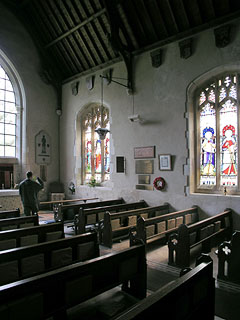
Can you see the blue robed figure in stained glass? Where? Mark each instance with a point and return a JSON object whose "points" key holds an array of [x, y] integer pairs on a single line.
{"points": [[208, 147]]}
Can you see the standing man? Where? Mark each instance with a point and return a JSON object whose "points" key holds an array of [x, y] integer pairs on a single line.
{"points": [[28, 190]]}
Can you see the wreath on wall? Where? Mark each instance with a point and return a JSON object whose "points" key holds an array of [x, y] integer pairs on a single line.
{"points": [[159, 183]]}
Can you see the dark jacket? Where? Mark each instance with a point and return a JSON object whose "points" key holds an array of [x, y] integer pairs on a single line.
{"points": [[28, 190]]}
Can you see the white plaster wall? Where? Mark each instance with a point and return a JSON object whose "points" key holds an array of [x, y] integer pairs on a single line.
{"points": [[160, 99], [39, 110]]}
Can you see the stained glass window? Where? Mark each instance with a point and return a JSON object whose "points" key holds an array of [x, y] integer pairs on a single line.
{"points": [[96, 152], [218, 134], [8, 116]]}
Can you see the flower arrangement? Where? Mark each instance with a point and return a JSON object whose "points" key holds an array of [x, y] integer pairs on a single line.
{"points": [[93, 182]]}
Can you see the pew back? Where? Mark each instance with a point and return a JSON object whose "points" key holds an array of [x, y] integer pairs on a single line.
{"points": [[189, 297], [32, 235], [19, 263], [207, 232], [228, 259], [10, 214], [68, 212], [50, 294], [17, 223], [117, 225], [94, 215], [149, 230]]}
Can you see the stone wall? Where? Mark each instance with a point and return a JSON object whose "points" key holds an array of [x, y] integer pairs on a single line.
{"points": [[160, 99], [39, 99]]}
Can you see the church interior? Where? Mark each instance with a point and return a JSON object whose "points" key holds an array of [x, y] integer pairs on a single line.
{"points": [[128, 112]]}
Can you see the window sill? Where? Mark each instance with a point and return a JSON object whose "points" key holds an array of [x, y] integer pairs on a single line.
{"points": [[215, 195], [7, 193], [11, 160], [93, 188]]}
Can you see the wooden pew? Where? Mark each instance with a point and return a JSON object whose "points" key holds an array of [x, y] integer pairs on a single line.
{"points": [[43, 204], [228, 259], [94, 215], [20, 263], [17, 223], [52, 293], [117, 225], [205, 232], [66, 213], [152, 229], [32, 235], [190, 297], [10, 214]]}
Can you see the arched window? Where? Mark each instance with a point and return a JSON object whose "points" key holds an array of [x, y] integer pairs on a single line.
{"points": [[217, 131], [8, 116], [95, 152]]}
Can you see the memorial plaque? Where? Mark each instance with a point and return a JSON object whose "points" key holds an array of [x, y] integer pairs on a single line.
{"points": [[144, 166], [144, 152], [144, 179], [144, 187]]}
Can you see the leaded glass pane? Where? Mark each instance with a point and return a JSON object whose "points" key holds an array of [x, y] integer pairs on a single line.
{"points": [[9, 151], [10, 140], [9, 96], [10, 107], [208, 145], [98, 157], [2, 94], [10, 129], [107, 153], [2, 73], [9, 86], [228, 144], [2, 83], [7, 116], [96, 151]]}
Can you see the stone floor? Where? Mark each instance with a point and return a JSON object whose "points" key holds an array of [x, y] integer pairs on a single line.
{"points": [[159, 273]]}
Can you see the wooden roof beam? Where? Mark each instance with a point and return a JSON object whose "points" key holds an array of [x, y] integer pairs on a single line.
{"points": [[80, 25], [115, 41]]}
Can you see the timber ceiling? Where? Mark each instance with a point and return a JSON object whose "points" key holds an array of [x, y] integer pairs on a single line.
{"points": [[75, 37]]}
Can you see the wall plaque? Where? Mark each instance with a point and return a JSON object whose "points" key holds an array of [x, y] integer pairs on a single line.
{"points": [[43, 148], [143, 187], [144, 166], [144, 152], [144, 179], [120, 164]]}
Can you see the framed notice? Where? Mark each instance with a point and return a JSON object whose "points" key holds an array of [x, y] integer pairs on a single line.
{"points": [[144, 152], [165, 162]]}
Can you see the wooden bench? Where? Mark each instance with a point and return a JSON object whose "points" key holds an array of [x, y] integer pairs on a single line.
{"points": [[66, 213], [45, 204], [17, 223], [206, 233], [20, 263], [94, 215], [10, 214], [52, 293], [228, 259], [190, 297], [116, 226], [152, 229], [28, 236]]}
